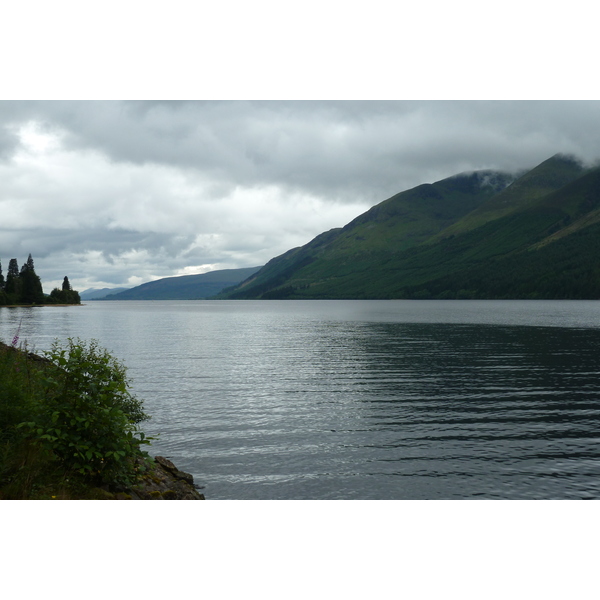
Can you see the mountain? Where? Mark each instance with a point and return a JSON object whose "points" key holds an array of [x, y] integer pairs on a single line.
{"points": [[480, 235], [547, 177], [99, 293], [186, 287]]}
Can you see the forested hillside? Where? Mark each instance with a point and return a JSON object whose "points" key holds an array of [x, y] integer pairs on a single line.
{"points": [[481, 235]]}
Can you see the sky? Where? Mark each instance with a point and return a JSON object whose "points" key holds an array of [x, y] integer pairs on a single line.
{"points": [[118, 193]]}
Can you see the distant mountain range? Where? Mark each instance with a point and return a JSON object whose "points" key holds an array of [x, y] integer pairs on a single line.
{"points": [[185, 287], [487, 234], [99, 293]]}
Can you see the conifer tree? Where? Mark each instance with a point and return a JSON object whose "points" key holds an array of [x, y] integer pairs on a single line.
{"points": [[31, 285], [66, 286], [12, 278], [13, 267]]}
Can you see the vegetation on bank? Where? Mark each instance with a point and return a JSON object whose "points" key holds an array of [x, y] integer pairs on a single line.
{"points": [[69, 426], [23, 286]]}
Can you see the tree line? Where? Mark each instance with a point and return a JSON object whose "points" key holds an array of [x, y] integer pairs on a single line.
{"points": [[23, 286]]}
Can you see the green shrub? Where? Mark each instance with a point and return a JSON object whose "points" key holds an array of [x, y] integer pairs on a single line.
{"points": [[88, 417]]}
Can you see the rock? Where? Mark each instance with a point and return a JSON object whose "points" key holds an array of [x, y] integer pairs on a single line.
{"points": [[171, 468], [166, 482]]}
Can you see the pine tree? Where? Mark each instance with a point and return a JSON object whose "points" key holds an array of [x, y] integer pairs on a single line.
{"points": [[13, 267], [31, 285], [1, 277], [66, 286], [12, 286]]}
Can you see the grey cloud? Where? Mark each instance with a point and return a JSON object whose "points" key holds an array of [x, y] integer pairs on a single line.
{"points": [[340, 149], [79, 252], [110, 242], [8, 143], [146, 189]]}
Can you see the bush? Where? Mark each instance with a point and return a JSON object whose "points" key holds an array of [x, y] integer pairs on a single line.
{"points": [[88, 418]]}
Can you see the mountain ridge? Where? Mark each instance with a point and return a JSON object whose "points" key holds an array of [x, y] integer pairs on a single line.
{"points": [[185, 287], [551, 174], [421, 242], [99, 293]]}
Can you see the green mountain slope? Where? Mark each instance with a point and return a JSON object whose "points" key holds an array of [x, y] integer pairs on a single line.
{"points": [[532, 239], [395, 225], [186, 287], [552, 174]]}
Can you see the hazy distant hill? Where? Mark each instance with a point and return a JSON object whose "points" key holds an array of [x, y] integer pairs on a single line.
{"points": [[534, 234], [186, 287], [99, 293]]}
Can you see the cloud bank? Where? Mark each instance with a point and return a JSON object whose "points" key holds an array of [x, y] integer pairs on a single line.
{"points": [[120, 193]]}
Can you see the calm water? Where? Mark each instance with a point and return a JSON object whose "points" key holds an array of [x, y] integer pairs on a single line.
{"points": [[358, 399]]}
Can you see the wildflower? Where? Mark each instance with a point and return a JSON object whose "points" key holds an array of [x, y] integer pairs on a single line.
{"points": [[16, 338]]}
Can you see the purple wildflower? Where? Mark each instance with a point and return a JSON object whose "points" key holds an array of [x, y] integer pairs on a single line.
{"points": [[16, 338]]}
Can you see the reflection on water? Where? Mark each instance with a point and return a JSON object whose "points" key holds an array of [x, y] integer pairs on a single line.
{"points": [[365, 400], [493, 411]]}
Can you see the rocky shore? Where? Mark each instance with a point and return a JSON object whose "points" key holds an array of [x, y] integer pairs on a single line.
{"points": [[163, 482], [166, 482]]}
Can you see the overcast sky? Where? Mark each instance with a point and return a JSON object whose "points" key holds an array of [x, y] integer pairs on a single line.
{"points": [[121, 193]]}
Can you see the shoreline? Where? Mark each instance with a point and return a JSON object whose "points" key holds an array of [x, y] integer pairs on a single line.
{"points": [[162, 481], [35, 305]]}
